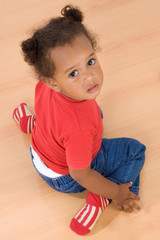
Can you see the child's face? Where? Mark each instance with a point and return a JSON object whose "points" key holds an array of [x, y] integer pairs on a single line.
{"points": [[78, 74]]}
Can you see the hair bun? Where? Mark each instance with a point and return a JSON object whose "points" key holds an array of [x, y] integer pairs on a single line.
{"points": [[30, 50], [29, 45], [72, 13]]}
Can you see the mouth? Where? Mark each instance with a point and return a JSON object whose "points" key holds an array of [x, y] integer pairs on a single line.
{"points": [[93, 89]]}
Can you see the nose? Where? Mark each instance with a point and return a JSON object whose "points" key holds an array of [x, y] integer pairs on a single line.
{"points": [[87, 75]]}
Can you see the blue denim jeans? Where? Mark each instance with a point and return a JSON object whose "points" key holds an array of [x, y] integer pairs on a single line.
{"points": [[119, 160]]}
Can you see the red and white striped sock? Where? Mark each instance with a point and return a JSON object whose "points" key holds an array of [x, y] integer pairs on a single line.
{"points": [[24, 118], [87, 217]]}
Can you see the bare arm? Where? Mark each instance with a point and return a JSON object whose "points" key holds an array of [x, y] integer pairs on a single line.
{"points": [[96, 183]]}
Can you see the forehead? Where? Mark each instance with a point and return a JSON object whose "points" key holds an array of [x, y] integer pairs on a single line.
{"points": [[71, 54]]}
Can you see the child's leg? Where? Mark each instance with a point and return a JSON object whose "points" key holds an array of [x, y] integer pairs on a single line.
{"points": [[24, 118], [87, 217], [121, 160], [114, 156]]}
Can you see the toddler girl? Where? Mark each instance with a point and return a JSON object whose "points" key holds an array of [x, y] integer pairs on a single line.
{"points": [[67, 147]]}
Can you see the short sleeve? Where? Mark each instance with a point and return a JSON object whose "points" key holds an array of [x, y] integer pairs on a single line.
{"points": [[79, 147]]}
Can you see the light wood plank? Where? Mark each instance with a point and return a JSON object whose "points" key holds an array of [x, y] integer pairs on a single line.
{"points": [[129, 33]]}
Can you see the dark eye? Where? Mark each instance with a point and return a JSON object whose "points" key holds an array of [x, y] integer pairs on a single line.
{"points": [[91, 62], [73, 74]]}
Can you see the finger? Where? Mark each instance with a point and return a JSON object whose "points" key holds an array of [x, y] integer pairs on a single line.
{"points": [[132, 204], [135, 205], [128, 184], [134, 196], [120, 207], [127, 208]]}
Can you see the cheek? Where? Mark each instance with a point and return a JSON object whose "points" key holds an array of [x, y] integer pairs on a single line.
{"points": [[100, 74]]}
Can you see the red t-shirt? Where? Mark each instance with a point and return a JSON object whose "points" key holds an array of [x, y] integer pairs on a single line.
{"points": [[67, 133]]}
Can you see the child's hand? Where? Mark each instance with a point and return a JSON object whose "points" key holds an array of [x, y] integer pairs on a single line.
{"points": [[125, 200], [130, 205]]}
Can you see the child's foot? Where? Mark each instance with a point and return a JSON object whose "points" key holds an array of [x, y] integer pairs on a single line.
{"points": [[24, 118], [87, 217]]}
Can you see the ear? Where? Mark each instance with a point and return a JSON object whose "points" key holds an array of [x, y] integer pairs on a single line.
{"points": [[51, 83]]}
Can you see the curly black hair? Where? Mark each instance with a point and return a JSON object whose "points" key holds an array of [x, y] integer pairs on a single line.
{"points": [[58, 32]]}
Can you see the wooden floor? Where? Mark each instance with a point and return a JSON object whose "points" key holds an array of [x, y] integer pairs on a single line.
{"points": [[129, 33]]}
